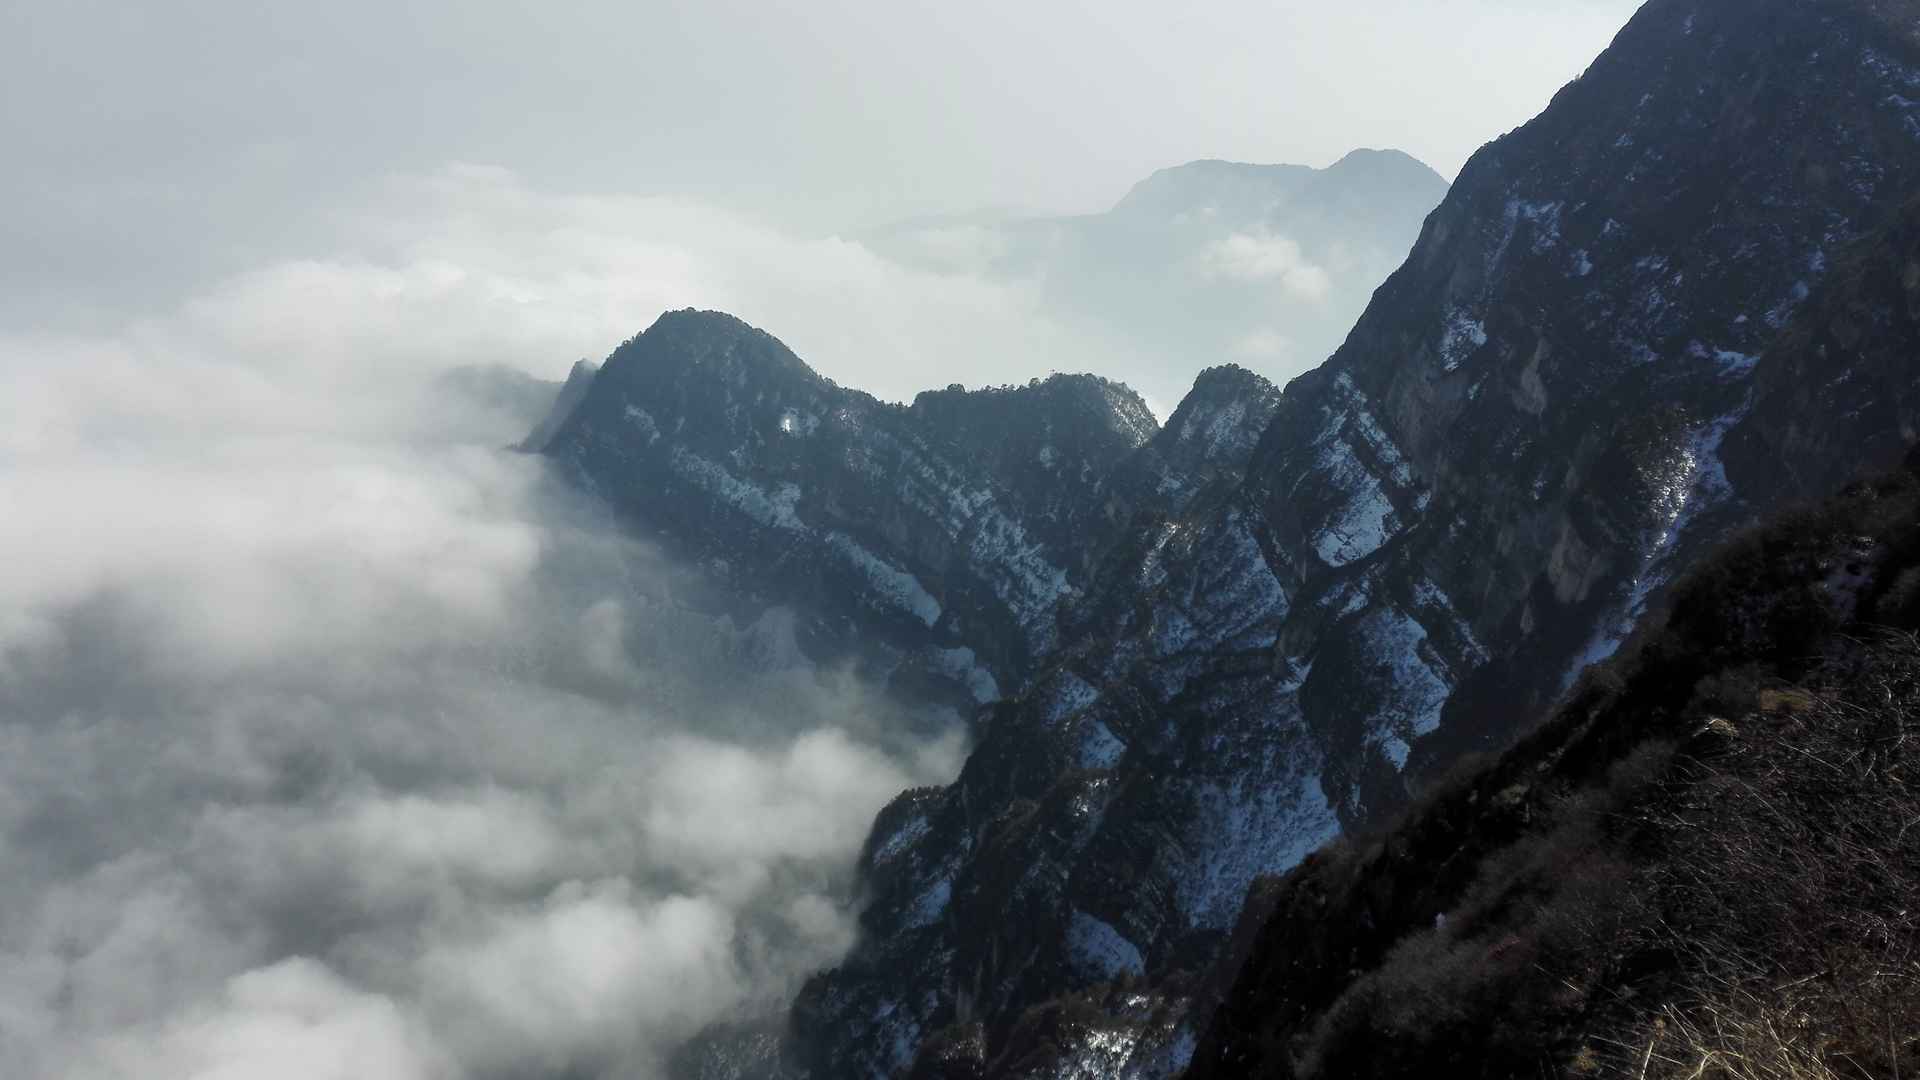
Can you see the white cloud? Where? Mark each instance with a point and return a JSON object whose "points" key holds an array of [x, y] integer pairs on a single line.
{"points": [[337, 741], [592, 975], [1267, 259], [961, 248], [292, 1020], [1261, 343], [561, 276]]}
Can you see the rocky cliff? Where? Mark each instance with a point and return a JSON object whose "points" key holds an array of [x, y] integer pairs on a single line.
{"points": [[1515, 450], [930, 542], [1701, 865], [1211, 647]]}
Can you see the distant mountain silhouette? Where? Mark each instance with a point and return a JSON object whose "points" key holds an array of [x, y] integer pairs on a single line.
{"points": [[1264, 265]]}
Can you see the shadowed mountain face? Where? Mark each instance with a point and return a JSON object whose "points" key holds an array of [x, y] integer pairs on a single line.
{"points": [[932, 542], [1700, 865], [1263, 265], [1633, 325]]}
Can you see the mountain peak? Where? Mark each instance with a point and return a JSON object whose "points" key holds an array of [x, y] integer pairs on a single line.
{"points": [[1261, 188], [1226, 381], [1386, 161], [1220, 421], [691, 338], [1058, 401]]}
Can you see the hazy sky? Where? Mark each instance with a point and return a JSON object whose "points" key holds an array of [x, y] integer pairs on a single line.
{"points": [[151, 143]]}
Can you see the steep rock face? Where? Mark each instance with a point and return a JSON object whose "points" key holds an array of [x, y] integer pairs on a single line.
{"points": [[1556, 367], [1047, 446], [1705, 846], [1733, 152], [1840, 383], [1516, 449], [1209, 438], [941, 535]]}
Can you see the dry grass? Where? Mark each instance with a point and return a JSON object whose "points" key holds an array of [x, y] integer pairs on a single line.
{"points": [[1747, 1034], [1797, 876], [1706, 864]]}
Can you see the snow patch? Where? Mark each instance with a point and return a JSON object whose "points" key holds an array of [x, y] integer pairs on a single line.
{"points": [[1067, 695], [1173, 633], [1365, 520], [963, 666], [1222, 433], [1242, 828], [797, 423], [997, 548], [1229, 596], [1698, 484], [894, 585], [1100, 748], [1096, 946], [1460, 338], [1396, 750], [1435, 603], [1348, 597], [932, 903], [1778, 315], [1545, 219], [1416, 680], [642, 420], [908, 834], [1362, 525], [773, 509], [1731, 363], [1099, 1054]]}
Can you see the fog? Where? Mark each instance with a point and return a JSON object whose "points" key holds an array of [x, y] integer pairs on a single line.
{"points": [[158, 149], [337, 740]]}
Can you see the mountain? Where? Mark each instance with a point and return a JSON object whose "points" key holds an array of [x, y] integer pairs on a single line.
{"points": [[930, 543], [515, 396], [1678, 300], [1265, 265], [1515, 449], [1702, 864], [560, 406]]}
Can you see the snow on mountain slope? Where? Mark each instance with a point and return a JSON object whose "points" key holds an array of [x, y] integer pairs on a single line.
{"points": [[1519, 443]]}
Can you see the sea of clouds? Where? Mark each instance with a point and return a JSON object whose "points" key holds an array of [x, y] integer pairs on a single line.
{"points": [[339, 741]]}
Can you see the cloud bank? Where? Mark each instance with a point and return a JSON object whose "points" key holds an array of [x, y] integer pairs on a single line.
{"points": [[471, 264], [335, 741]]}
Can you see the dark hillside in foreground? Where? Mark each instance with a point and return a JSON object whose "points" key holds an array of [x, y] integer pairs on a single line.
{"points": [[1605, 346], [1707, 863]]}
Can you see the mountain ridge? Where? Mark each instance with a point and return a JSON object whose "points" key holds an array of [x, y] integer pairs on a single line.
{"points": [[1390, 482], [1672, 874], [961, 512], [1403, 556]]}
